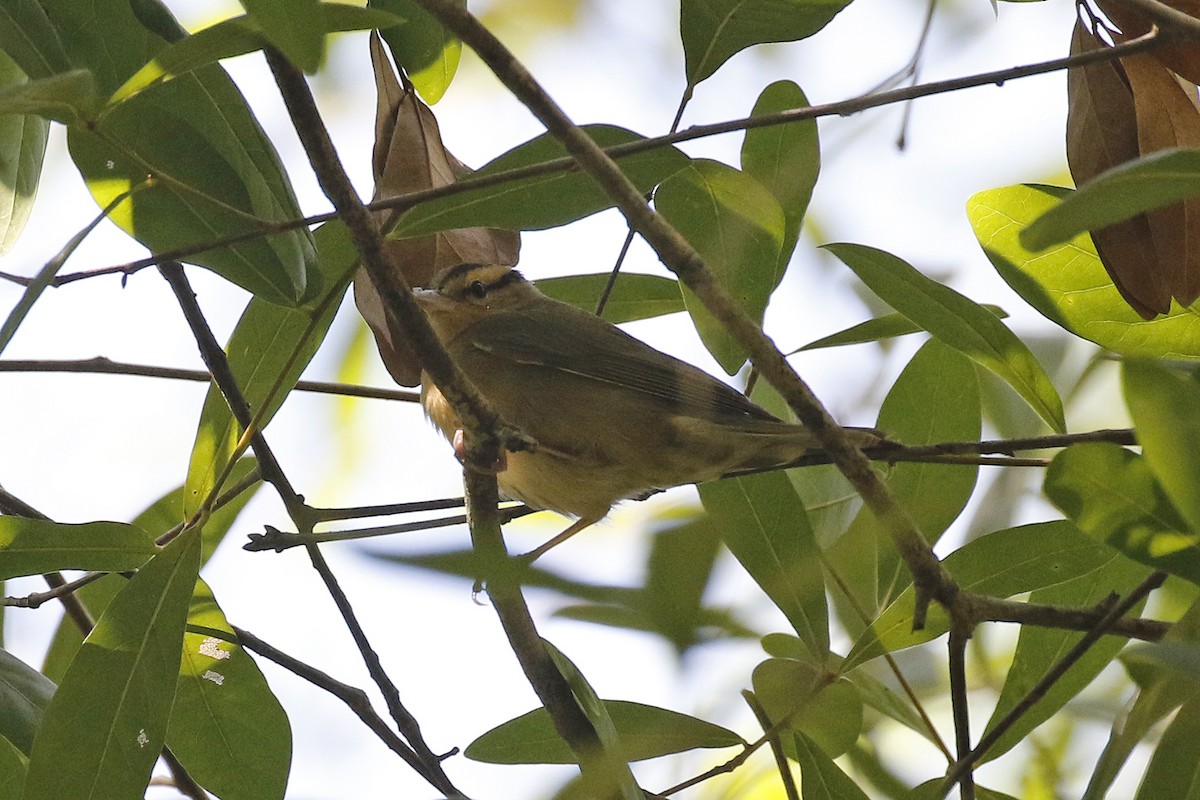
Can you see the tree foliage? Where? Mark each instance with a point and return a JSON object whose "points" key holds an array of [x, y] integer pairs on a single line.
{"points": [[145, 669]]}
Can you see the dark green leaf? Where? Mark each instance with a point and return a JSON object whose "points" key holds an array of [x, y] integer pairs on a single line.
{"points": [[1040, 648], [161, 516], [235, 37], [615, 764], [215, 175], [764, 525], [1000, 564], [935, 399], [226, 726], [785, 159], [29, 39], [677, 574], [633, 297], [12, 770], [1109, 492], [24, 695], [34, 546], [1174, 769], [108, 719], [738, 227], [820, 778], [811, 701], [1124, 191], [540, 202], [958, 322], [69, 98], [1165, 407], [293, 27], [268, 350], [422, 47], [644, 731], [713, 30], [1068, 284], [886, 327]]}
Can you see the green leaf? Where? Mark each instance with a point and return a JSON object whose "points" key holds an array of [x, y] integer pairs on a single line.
{"points": [[738, 228], [24, 695], [35, 546], [1038, 649], [785, 159], [678, 573], [633, 296], [161, 516], [935, 399], [268, 350], [812, 702], [293, 27], [1110, 493], [873, 330], [1174, 769], [1068, 284], [226, 726], [12, 770], [69, 98], [713, 30], [1164, 406], [958, 322], [422, 47], [644, 731], [215, 175], [820, 778], [108, 719], [765, 527], [539, 202], [235, 37], [28, 38], [1124, 191], [615, 773], [1000, 564], [22, 148]]}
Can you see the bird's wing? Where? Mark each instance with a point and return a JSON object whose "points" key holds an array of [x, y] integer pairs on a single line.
{"points": [[567, 339]]}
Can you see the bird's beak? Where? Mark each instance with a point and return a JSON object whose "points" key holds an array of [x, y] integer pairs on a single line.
{"points": [[429, 300]]}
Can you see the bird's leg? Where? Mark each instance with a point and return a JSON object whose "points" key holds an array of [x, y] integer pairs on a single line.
{"points": [[460, 452], [541, 550]]}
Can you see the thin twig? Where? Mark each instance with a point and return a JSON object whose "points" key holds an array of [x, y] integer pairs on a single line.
{"points": [[960, 634], [782, 765], [356, 699], [106, 366]]}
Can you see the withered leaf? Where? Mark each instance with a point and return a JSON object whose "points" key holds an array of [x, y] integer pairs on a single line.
{"points": [[409, 156], [1102, 133], [1183, 59], [1167, 117]]}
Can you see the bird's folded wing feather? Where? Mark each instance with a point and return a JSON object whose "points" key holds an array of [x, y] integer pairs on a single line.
{"points": [[581, 344]]}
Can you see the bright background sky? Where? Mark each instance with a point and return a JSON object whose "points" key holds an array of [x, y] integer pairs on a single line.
{"points": [[103, 447]]}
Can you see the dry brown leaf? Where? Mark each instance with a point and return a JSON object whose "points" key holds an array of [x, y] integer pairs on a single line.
{"points": [[1182, 59], [1102, 133], [409, 156], [1167, 116]]}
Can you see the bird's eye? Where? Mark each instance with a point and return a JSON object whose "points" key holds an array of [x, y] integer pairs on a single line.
{"points": [[477, 290]]}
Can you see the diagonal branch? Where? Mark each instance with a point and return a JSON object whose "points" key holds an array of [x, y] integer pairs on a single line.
{"points": [[679, 256]]}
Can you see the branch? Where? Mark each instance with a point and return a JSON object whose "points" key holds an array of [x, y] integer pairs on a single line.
{"points": [[105, 366], [355, 698], [1112, 611]]}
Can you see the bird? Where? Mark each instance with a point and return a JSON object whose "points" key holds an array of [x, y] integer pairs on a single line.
{"points": [[613, 418]]}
